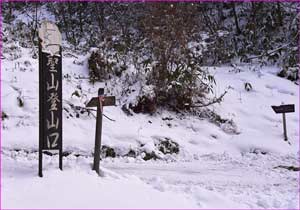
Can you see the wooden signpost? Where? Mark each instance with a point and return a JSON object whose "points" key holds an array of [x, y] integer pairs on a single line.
{"points": [[285, 108], [50, 91], [99, 102]]}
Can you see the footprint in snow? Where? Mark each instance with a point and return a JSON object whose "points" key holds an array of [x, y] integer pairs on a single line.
{"points": [[280, 90], [286, 92]]}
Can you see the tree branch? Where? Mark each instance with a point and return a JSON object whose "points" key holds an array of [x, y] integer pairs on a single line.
{"points": [[215, 100], [88, 110], [275, 50]]}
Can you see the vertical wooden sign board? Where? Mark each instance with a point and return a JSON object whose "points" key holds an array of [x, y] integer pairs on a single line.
{"points": [[50, 91]]}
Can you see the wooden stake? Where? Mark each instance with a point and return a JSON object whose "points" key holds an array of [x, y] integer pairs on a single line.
{"points": [[99, 102], [284, 127], [284, 108], [96, 165]]}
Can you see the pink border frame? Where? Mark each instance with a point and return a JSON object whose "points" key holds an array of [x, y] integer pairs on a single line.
{"points": [[1, 105], [145, 1], [131, 1]]}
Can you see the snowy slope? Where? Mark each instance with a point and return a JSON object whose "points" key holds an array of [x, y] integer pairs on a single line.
{"points": [[260, 128], [210, 163], [258, 125]]}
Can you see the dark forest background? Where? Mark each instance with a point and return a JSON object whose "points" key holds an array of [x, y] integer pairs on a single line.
{"points": [[168, 43]]}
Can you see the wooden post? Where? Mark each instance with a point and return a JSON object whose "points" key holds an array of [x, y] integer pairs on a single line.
{"points": [[61, 116], [97, 150], [41, 110], [284, 108], [284, 127], [99, 102]]}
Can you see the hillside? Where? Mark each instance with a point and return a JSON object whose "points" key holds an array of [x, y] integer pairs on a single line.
{"points": [[255, 146]]}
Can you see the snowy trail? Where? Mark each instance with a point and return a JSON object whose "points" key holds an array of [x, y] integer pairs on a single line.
{"points": [[244, 183], [213, 181]]}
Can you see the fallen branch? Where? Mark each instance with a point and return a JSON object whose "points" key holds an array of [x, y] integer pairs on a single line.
{"points": [[290, 168], [215, 100], [67, 54], [109, 118]]}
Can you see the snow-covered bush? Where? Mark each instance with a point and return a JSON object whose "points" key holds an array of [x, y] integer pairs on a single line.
{"points": [[167, 146], [104, 63], [100, 67], [146, 101], [291, 73], [4, 116], [174, 64]]}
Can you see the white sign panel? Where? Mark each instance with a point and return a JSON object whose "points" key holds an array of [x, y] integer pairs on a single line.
{"points": [[50, 38]]}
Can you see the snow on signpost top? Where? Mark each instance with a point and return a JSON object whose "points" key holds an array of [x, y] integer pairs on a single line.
{"points": [[50, 38]]}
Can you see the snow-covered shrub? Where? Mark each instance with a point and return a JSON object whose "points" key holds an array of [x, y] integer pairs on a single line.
{"points": [[175, 64], [227, 125], [4, 116], [160, 148], [163, 147], [100, 67], [148, 156], [218, 48], [111, 58], [144, 105], [291, 73], [146, 101], [167, 146], [107, 151], [13, 51]]}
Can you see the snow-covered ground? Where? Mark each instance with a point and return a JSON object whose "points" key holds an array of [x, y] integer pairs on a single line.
{"points": [[215, 168], [213, 181]]}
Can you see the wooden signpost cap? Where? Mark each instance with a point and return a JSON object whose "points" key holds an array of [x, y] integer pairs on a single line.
{"points": [[50, 37], [100, 91]]}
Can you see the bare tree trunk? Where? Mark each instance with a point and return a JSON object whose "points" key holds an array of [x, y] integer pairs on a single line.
{"points": [[62, 11], [279, 15], [238, 30], [36, 22], [80, 17], [74, 40]]}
